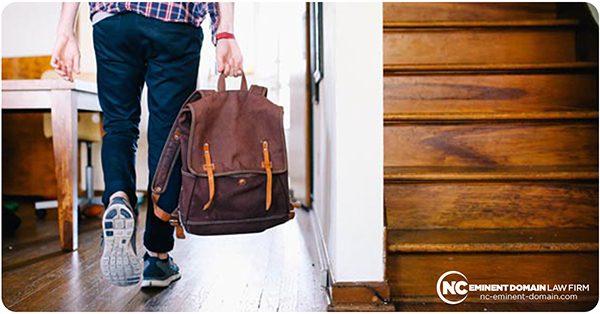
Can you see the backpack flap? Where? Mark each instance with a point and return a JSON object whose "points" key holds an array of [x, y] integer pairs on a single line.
{"points": [[233, 128]]}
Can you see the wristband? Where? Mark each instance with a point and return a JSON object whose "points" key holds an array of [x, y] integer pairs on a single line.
{"points": [[224, 35]]}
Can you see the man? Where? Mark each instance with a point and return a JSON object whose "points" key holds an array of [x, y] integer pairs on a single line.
{"points": [[157, 43]]}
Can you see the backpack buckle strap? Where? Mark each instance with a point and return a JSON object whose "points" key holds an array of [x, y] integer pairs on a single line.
{"points": [[172, 218], [175, 221], [209, 167], [267, 165], [159, 212]]}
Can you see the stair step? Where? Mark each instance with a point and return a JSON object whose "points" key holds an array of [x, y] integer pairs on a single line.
{"points": [[391, 26], [490, 149], [459, 144], [486, 117], [498, 173], [414, 275], [433, 304], [483, 68], [463, 201], [501, 94], [416, 11], [479, 45], [492, 240]]}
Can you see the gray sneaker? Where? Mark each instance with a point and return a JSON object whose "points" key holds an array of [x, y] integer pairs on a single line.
{"points": [[120, 264], [158, 272]]}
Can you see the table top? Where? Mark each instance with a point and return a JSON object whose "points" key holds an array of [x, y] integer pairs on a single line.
{"points": [[37, 94], [49, 84]]}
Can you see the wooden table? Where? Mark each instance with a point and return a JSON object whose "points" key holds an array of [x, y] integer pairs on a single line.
{"points": [[63, 99]]}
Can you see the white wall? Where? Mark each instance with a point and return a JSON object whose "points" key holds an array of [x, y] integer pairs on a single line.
{"points": [[349, 141], [29, 29]]}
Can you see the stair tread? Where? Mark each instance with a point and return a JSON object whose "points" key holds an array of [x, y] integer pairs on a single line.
{"points": [[493, 240], [418, 11], [473, 116], [393, 25], [498, 173], [501, 67]]}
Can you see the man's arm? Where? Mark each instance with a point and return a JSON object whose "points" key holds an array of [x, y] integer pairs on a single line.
{"points": [[229, 56], [65, 57]]}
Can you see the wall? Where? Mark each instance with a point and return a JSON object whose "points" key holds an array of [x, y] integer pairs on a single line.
{"points": [[349, 141], [29, 29]]}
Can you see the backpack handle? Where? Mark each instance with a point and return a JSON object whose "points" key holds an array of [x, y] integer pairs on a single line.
{"points": [[221, 84]]}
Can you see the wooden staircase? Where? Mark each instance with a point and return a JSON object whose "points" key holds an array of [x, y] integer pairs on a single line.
{"points": [[491, 149]]}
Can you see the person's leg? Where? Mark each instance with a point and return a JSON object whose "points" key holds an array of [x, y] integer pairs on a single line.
{"points": [[120, 78], [173, 59], [171, 77]]}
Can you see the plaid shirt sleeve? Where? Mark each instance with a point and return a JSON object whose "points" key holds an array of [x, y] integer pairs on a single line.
{"points": [[213, 11]]}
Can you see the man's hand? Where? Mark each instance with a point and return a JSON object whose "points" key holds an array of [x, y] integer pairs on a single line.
{"points": [[65, 57], [228, 54], [229, 57]]}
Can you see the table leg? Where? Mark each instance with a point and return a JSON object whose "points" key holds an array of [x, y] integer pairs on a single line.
{"points": [[64, 139]]}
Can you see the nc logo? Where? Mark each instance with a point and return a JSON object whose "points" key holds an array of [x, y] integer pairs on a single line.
{"points": [[452, 287]]}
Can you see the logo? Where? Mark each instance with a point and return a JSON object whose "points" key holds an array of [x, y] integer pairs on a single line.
{"points": [[452, 287]]}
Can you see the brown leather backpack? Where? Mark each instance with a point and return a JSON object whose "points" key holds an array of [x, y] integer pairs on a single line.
{"points": [[234, 163]]}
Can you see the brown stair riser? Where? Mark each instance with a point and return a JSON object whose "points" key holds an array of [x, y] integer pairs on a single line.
{"points": [[466, 11], [416, 275], [457, 46], [466, 205], [490, 93], [435, 305], [474, 144]]}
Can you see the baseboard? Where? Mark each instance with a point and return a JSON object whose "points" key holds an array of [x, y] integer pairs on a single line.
{"points": [[323, 257], [360, 296], [550, 306], [360, 308], [348, 296]]}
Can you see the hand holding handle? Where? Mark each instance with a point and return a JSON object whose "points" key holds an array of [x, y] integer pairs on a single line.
{"points": [[221, 83]]}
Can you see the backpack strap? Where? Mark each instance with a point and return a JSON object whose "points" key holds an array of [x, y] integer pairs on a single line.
{"points": [[209, 167], [168, 157], [258, 90], [266, 163]]}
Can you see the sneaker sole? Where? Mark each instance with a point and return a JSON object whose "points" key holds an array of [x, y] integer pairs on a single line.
{"points": [[147, 283], [119, 263]]}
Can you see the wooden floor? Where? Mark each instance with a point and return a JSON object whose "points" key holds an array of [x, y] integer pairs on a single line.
{"points": [[271, 271]]}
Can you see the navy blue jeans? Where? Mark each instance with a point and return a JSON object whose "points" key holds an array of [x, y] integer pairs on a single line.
{"points": [[132, 50]]}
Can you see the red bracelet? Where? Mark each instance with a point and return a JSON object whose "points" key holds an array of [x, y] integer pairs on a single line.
{"points": [[224, 35]]}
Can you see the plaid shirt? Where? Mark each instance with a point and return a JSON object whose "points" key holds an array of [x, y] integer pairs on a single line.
{"points": [[176, 12]]}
